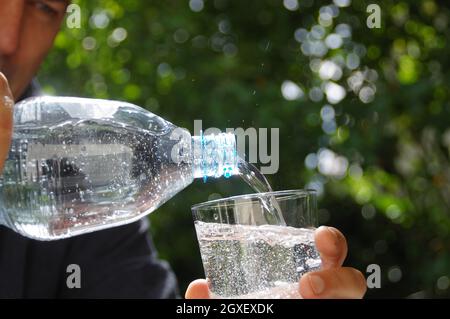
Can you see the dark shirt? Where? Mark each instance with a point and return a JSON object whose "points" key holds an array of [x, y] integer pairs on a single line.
{"points": [[119, 262]]}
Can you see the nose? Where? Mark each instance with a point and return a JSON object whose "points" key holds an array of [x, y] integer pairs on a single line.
{"points": [[11, 14]]}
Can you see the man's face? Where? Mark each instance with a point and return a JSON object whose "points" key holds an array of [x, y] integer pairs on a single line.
{"points": [[27, 31]]}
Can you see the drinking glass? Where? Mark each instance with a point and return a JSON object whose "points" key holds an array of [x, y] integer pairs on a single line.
{"points": [[246, 255]]}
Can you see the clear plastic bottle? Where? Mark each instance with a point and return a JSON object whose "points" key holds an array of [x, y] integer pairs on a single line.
{"points": [[80, 165]]}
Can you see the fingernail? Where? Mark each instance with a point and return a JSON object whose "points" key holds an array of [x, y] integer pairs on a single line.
{"points": [[317, 284], [2, 80], [5, 97], [8, 102], [334, 232]]}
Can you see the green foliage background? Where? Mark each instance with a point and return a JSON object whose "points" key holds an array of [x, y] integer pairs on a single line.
{"points": [[226, 64]]}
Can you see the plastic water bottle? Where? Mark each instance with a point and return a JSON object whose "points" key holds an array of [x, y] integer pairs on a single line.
{"points": [[80, 165]]}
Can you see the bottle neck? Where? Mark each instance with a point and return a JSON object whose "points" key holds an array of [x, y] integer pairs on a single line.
{"points": [[214, 155]]}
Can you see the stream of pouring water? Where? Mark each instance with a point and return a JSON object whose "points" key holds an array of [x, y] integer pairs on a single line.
{"points": [[258, 182]]}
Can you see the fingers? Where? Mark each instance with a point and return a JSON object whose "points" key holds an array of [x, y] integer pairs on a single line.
{"points": [[198, 289], [339, 283], [331, 245], [6, 122]]}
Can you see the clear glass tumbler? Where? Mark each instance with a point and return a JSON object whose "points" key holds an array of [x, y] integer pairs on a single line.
{"points": [[245, 256]]}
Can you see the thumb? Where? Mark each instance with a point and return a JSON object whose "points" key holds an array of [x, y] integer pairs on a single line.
{"points": [[198, 289], [6, 118]]}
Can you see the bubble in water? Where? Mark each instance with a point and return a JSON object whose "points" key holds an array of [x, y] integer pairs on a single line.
{"points": [[243, 261], [81, 193]]}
